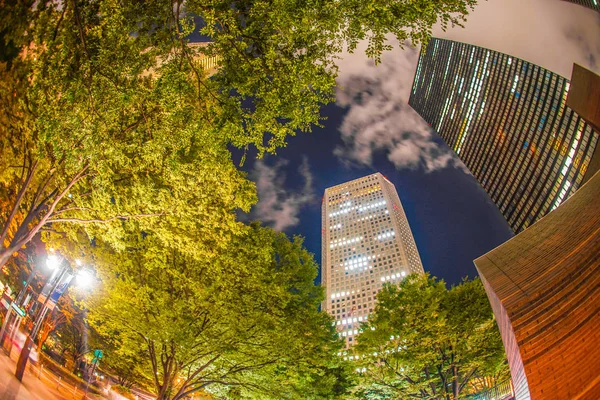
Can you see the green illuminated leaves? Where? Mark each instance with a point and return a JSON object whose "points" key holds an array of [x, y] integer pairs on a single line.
{"points": [[430, 342], [246, 317]]}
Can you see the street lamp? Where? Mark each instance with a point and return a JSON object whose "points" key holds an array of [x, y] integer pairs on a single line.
{"points": [[84, 278], [59, 286], [53, 262]]}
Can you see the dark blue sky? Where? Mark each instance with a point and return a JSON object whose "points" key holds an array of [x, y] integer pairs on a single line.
{"points": [[453, 220]]}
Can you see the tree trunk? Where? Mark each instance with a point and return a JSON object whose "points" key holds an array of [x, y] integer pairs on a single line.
{"points": [[165, 392], [5, 255], [37, 216], [43, 337], [455, 386]]}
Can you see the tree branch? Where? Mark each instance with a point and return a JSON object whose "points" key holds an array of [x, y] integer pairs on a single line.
{"points": [[18, 242], [154, 363], [17, 203], [466, 379], [190, 378], [102, 221]]}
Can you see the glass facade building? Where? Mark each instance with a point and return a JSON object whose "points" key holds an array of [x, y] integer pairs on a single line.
{"points": [[366, 242], [508, 122], [208, 63], [593, 4]]}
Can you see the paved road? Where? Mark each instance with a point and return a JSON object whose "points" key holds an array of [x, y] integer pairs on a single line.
{"points": [[31, 387], [39, 385]]}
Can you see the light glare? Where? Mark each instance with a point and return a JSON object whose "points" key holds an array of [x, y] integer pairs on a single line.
{"points": [[52, 262], [84, 278]]}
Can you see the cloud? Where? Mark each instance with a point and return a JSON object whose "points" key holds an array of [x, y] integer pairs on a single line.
{"points": [[553, 34], [277, 207], [379, 117]]}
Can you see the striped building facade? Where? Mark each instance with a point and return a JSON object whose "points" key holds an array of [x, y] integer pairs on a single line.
{"points": [[508, 122], [593, 4]]}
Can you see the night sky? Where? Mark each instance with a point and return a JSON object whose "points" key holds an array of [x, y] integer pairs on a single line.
{"points": [[452, 218], [371, 129]]}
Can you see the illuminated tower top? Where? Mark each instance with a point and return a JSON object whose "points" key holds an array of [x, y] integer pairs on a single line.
{"points": [[508, 121], [366, 242]]}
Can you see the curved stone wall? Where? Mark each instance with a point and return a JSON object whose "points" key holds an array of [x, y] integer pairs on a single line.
{"points": [[544, 286]]}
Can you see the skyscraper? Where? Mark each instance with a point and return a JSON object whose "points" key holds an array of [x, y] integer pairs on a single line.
{"points": [[507, 121], [366, 241], [593, 4], [208, 63]]}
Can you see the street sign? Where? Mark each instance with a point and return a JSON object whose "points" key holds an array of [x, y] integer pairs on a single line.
{"points": [[61, 287], [98, 354], [17, 309]]}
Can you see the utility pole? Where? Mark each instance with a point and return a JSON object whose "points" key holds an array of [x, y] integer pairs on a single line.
{"points": [[97, 356]]}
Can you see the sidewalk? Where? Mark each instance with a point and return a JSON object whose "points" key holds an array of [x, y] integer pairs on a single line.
{"points": [[40, 385]]}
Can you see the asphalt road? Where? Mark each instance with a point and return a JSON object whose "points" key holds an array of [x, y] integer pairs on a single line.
{"points": [[38, 384]]}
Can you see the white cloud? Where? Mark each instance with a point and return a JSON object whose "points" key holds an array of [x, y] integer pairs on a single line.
{"points": [[277, 207], [379, 117], [553, 34]]}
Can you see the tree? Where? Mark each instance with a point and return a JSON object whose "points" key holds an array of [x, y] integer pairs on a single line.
{"points": [[16, 272], [124, 364], [107, 115], [62, 314], [425, 341], [244, 321], [75, 335]]}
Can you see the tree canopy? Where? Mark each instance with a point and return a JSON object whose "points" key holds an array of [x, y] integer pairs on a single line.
{"points": [[108, 115], [247, 319], [426, 341], [115, 139]]}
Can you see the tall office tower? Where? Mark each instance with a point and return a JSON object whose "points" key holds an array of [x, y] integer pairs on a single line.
{"points": [[508, 122], [593, 4], [366, 241], [210, 64]]}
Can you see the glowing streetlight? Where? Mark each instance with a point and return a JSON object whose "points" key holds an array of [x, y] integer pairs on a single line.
{"points": [[52, 262], [57, 284], [84, 278]]}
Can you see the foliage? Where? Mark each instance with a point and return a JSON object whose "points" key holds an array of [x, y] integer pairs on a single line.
{"points": [[124, 391], [115, 142], [62, 314], [107, 115], [428, 342], [74, 336], [245, 319], [123, 363], [15, 272]]}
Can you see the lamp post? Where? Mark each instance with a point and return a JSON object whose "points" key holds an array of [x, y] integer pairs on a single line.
{"points": [[57, 289], [54, 263]]}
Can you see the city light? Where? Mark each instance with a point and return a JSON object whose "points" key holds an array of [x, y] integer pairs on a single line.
{"points": [[84, 278], [52, 262]]}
